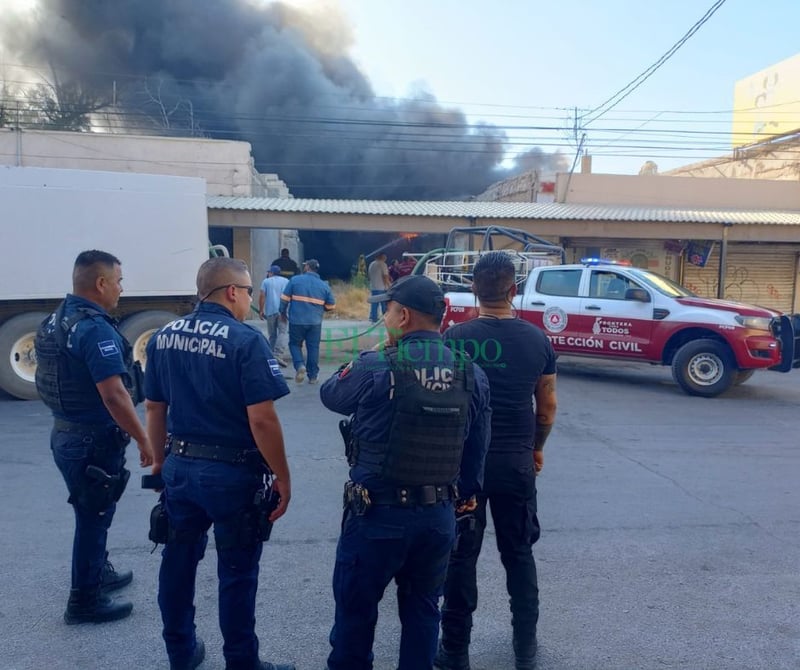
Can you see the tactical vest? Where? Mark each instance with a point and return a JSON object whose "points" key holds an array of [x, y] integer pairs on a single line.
{"points": [[63, 381], [426, 435]]}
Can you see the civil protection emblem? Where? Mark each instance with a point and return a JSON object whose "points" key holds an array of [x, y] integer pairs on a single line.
{"points": [[555, 319]]}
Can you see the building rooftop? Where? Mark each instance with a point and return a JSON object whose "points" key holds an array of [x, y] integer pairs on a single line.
{"points": [[508, 210]]}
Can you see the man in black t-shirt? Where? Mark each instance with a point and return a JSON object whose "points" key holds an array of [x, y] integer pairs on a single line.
{"points": [[287, 265], [520, 363]]}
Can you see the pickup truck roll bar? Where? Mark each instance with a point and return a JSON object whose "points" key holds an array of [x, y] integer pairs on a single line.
{"points": [[451, 266]]}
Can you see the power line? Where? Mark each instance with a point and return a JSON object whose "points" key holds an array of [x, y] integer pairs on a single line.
{"points": [[425, 101], [256, 123], [630, 87]]}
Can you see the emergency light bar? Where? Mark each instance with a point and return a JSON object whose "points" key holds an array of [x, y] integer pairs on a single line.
{"points": [[603, 261]]}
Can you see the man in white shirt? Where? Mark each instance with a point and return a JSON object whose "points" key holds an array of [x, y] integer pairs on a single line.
{"points": [[379, 282], [269, 302]]}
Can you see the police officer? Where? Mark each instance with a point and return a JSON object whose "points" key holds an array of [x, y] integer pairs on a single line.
{"points": [[211, 384], [416, 448], [520, 363], [86, 376], [304, 301]]}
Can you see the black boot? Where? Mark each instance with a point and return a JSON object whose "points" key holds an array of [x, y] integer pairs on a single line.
{"points": [[524, 649], [94, 606], [197, 657], [451, 660], [111, 580]]}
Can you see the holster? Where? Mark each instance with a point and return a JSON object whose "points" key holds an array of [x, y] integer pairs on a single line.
{"points": [[253, 525], [159, 523], [120, 438], [266, 500], [350, 445], [99, 489], [161, 531]]}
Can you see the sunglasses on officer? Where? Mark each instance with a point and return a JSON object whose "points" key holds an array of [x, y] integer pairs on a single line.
{"points": [[249, 289]]}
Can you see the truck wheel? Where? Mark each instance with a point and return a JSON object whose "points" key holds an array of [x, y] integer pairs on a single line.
{"points": [[17, 355], [742, 376], [704, 368], [138, 329]]}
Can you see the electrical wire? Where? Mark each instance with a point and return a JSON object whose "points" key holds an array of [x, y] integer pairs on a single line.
{"points": [[631, 86]]}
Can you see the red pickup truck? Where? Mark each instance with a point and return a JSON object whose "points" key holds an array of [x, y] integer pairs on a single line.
{"points": [[604, 310]]}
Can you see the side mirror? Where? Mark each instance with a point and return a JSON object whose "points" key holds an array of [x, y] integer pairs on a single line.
{"points": [[638, 294]]}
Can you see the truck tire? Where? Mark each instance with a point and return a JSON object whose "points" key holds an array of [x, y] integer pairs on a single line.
{"points": [[742, 376], [704, 368], [138, 329], [17, 355]]}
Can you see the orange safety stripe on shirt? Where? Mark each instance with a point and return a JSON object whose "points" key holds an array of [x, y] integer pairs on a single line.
{"points": [[304, 298]]}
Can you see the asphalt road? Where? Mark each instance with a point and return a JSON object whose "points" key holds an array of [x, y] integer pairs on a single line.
{"points": [[670, 539]]}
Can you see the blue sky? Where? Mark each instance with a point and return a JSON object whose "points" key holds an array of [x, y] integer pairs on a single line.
{"points": [[503, 60]]}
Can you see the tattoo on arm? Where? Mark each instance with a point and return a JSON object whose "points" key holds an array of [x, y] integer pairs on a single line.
{"points": [[540, 435], [545, 395]]}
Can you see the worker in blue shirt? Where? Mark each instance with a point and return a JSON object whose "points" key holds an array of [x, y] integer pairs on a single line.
{"points": [[304, 301], [87, 377], [416, 445], [210, 387]]}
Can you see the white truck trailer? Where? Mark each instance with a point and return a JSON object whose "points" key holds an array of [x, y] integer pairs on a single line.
{"points": [[156, 225]]}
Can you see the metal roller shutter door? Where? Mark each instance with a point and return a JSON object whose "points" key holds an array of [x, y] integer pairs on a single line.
{"points": [[758, 275]]}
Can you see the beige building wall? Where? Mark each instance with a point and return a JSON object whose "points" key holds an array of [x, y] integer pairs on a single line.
{"points": [[521, 188], [775, 161], [761, 272], [662, 191], [226, 166]]}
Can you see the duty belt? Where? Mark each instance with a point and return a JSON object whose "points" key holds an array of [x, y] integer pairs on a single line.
{"points": [[410, 496], [359, 499], [215, 452], [97, 429]]}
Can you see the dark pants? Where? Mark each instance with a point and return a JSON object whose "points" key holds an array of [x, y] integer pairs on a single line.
{"points": [[73, 452], [272, 328], [198, 493], [410, 546], [311, 335], [373, 307], [510, 491]]}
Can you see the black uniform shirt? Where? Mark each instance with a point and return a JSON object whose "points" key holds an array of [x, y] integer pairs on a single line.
{"points": [[513, 354]]}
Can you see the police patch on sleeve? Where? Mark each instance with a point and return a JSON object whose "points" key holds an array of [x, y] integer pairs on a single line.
{"points": [[274, 368], [108, 348]]}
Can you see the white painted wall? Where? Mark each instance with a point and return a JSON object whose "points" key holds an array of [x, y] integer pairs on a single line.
{"points": [[226, 166]]}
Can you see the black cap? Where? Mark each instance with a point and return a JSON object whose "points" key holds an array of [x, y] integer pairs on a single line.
{"points": [[416, 292]]}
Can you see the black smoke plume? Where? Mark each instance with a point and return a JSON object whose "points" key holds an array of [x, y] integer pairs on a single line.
{"points": [[270, 74]]}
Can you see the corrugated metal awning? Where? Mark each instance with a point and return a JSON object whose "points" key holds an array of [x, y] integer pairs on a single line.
{"points": [[506, 210]]}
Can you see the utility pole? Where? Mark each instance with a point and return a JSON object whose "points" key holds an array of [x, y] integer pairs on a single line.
{"points": [[575, 125]]}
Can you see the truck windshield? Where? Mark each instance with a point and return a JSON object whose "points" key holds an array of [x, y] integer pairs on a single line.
{"points": [[662, 284]]}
